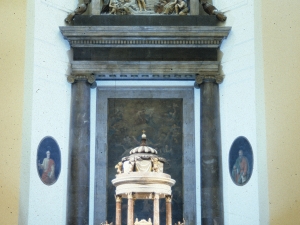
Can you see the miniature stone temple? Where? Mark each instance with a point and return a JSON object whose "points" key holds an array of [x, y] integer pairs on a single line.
{"points": [[141, 176]]}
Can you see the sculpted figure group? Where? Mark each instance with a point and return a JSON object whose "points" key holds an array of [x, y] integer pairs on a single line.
{"points": [[123, 7], [131, 7], [178, 6], [136, 7]]}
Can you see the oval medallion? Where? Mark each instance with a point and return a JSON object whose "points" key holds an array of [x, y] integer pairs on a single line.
{"points": [[240, 161], [48, 160]]}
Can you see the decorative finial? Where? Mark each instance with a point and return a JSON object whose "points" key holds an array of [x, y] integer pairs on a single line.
{"points": [[144, 135], [144, 138]]}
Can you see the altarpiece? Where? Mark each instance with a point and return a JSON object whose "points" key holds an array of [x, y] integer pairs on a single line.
{"points": [[145, 41]]}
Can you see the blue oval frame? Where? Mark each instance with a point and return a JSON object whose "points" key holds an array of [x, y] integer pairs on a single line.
{"points": [[46, 143], [240, 143]]}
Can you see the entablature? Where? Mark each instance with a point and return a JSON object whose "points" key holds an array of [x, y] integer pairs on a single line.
{"points": [[145, 36], [144, 70], [145, 48]]}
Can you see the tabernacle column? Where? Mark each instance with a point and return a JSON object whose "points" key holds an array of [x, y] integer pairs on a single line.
{"points": [[211, 156], [168, 210], [79, 154], [156, 209], [130, 209], [118, 209]]}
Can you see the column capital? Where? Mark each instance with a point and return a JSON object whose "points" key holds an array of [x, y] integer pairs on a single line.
{"points": [[168, 198], [209, 77], [156, 196], [89, 77], [118, 198], [130, 195]]}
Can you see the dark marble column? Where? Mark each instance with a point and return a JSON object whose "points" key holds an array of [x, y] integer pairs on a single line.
{"points": [[79, 158], [211, 156], [168, 210], [118, 210]]}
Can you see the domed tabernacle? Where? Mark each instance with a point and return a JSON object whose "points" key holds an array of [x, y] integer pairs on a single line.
{"points": [[142, 159], [140, 176]]}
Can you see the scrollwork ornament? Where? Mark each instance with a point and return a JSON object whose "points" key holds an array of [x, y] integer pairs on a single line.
{"points": [[81, 8], [199, 79], [212, 10], [219, 79], [91, 78], [71, 79]]}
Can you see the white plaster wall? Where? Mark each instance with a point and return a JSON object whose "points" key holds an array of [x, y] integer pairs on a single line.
{"points": [[49, 93], [238, 109]]}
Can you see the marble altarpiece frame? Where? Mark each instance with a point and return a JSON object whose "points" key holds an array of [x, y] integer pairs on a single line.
{"points": [[180, 98]]}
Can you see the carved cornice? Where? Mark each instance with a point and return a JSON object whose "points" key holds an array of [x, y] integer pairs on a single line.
{"points": [[144, 70], [149, 42], [209, 77], [145, 36]]}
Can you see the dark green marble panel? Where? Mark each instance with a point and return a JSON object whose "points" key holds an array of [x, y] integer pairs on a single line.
{"points": [[162, 119]]}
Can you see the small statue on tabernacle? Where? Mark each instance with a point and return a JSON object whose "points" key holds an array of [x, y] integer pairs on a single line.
{"points": [[131, 165], [119, 167], [155, 162]]}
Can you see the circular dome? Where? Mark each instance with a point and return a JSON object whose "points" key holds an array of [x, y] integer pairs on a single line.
{"points": [[143, 149]]}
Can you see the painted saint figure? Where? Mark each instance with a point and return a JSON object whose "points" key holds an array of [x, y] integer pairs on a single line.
{"points": [[48, 169], [240, 170]]}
